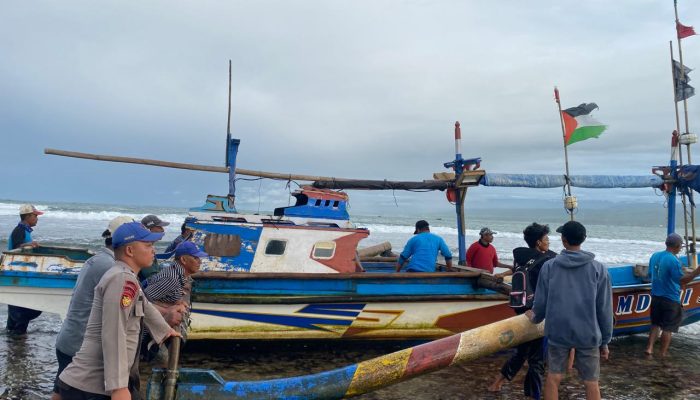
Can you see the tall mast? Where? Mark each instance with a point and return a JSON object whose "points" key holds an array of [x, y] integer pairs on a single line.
{"points": [[686, 138], [231, 151], [569, 200]]}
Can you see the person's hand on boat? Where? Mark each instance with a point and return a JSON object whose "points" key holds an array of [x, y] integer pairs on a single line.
{"points": [[604, 352], [175, 313], [530, 315], [172, 333], [121, 394]]}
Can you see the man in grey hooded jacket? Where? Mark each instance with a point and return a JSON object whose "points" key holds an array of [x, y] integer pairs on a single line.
{"points": [[574, 295]]}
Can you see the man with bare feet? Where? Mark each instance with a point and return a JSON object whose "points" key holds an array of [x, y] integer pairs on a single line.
{"points": [[666, 280]]}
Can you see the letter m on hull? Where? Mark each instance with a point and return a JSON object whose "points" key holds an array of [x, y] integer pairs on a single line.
{"points": [[624, 304]]}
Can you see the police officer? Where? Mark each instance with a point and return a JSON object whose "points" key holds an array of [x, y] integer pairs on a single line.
{"points": [[100, 369], [73, 329]]}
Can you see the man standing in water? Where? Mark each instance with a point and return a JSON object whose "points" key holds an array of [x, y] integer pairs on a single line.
{"points": [[482, 254], [574, 294], [666, 280], [422, 249], [101, 367], [18, 317]]}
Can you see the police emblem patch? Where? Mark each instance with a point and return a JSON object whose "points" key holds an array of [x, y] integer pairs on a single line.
{"points": [[128, 293]]}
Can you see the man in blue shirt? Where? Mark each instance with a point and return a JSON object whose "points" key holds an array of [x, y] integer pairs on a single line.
{"points": [[666, 280], [18, 317], [422, 249]]}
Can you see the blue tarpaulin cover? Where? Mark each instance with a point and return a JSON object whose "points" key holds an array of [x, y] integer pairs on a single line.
{"points": [[688, 178], [582, 181]]}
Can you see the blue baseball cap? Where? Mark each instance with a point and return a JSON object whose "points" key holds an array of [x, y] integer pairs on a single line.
{"points": [[133, 232], [188, 248]]}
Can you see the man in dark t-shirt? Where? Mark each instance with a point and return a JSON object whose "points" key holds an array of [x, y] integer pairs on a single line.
{"points": [[18, 317], [536, 253]]}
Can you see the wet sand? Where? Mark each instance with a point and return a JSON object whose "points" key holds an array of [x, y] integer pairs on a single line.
{"points": [[28, 366]]}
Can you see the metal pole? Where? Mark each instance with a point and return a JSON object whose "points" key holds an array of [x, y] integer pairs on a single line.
{"points": [[228, 120], [171, 374], [461, 196], [676, 160], [692, 255], [566, 153]]}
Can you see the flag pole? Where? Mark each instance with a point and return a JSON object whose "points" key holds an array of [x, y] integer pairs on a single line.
{"points": [[569, 200], [692, 255], [676, 160]]}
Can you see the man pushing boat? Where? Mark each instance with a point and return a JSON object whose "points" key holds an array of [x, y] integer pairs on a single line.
{"points": [[422, 249], [100, 369], [667, 278], [18, 317]]}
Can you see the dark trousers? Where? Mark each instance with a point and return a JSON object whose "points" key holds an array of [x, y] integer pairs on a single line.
{"points": [[18, 319], [533, 352], [70, 393], [63, 361]]}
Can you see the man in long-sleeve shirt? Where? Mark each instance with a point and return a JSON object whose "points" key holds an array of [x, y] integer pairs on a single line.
{"points": [[574, 295]]}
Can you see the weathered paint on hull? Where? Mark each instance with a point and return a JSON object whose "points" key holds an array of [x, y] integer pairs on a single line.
{"points": [[424, 320], [631, 307], [418, 320]]}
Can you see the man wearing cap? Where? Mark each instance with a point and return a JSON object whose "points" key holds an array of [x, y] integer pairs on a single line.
{"points": [[167, 288], [100, 369], [169, 285], [422, 250], [18, 317], [482, 254], [185, 234], [155, 225], [574, 295], [71, 335], [667, 278]]}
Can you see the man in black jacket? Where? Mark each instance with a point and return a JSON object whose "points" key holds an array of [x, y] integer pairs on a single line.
{"points": [[532, 258]]}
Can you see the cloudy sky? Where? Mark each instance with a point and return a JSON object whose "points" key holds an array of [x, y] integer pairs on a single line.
{"points": [[359, 89]]}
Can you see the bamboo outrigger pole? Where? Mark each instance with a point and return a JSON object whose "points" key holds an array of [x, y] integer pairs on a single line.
{"points": [[692, 254], [192, 167], [569, 200]]}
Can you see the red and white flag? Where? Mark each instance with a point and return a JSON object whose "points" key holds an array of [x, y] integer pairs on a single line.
{"points": [[684, 31]]}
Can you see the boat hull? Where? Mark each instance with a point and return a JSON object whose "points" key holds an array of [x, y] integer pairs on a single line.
{"points": [[358, 306]]}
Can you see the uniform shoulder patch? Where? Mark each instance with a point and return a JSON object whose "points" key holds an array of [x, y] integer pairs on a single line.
{"points": [[128, 293]]}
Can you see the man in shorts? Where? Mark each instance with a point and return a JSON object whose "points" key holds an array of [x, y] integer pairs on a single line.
{"points": [[574, 294], [666, 280]]}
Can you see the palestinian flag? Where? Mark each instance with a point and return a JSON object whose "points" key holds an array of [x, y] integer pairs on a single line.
{"points": [[579, 125]]}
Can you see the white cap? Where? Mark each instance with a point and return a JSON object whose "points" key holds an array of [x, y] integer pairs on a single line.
{"points": [[29, 209], [116, 222]]}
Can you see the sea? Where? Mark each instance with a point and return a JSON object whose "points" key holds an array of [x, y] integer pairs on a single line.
{"points": [[617, 233]]}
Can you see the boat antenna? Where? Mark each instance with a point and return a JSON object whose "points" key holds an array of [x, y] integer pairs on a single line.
{"points": [[228, 121], [570, 203]]}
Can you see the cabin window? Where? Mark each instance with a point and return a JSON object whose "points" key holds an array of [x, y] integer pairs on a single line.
{"points": [[324, 250], [275, 247], [221, 245], [318, 202], [328, 203], [335, 204]]}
